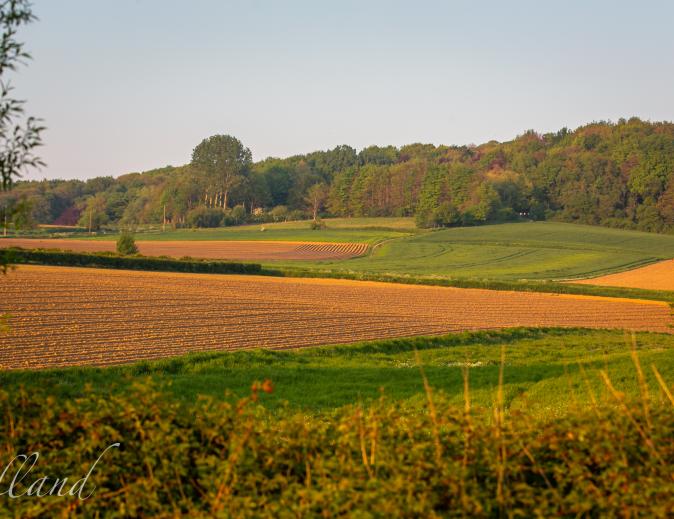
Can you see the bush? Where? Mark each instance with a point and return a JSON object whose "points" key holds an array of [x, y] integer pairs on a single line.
{"points": [[233, 459], [424, 219], [279, 213], [444, 215], [317, 225], [205, 217], [126, 244], [238, 214], [296, 214]]}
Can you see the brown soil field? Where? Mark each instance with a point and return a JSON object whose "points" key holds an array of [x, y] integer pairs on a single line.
{"points": [[62, 316], [231, 250], [658, 276]]}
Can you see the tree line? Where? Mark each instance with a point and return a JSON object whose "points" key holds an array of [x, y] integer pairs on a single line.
{"points": [[615, 174]]}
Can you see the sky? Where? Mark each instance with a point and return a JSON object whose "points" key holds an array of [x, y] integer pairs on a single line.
{"points": [[131, 85]]}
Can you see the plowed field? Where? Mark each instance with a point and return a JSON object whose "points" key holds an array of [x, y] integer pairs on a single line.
{"points": [[73, 316], [232, 250], [659, 276]]}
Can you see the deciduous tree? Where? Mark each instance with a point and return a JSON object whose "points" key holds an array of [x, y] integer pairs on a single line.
{"points": [[316, 197], [226, 162]]}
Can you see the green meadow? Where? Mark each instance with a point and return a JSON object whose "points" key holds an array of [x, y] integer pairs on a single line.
{"points": [[548, 371], [341, 230], [514, 251]]}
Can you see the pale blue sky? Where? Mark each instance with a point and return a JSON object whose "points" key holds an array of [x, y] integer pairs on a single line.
{"points": [[129, 85]]}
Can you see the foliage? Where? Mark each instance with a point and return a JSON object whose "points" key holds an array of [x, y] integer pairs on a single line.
{"points": [[18, 138], [126, 244], [111, 260], [279, 213], [237, 215], [16, 213], [226, 162], [205, 217], [611, 174], [317, 225], [231, 459], [94, 212], [316, 197]]}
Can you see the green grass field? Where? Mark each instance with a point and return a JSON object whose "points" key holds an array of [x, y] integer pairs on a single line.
{"points": [[360, 230], [541, 370], [534, 251]]}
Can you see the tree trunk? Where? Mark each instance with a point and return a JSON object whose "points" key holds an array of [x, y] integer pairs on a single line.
{"points": [[224, 202]]}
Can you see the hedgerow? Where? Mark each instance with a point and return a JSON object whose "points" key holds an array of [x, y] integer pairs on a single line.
{"points": [[232, 459], [113, 260]]}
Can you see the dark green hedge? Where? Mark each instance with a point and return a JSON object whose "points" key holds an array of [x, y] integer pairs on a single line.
{"points": [[551, 287], [116, 261]]}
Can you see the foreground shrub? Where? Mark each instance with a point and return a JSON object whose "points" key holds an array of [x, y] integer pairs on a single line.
{"points": [[232, 459]]}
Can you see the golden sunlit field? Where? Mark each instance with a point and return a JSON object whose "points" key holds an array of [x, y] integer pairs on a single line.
{"points": [[659, 276], [231, 250], [77, 316]]}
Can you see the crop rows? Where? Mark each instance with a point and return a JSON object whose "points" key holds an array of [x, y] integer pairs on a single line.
{"points": [[75, 316], [336, 250], [232, 250]]}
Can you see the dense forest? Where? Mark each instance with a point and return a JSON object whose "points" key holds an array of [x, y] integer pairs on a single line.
{"points": [[615, 174]]}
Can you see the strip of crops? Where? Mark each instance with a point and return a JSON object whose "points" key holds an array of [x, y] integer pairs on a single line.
{"points": [[70, 316], [212, 249], [657, 276]]}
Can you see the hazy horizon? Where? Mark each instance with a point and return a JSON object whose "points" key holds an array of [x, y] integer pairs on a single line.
{"points": [[135, 85]]}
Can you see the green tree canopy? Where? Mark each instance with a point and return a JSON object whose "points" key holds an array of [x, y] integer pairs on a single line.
{"points": [[18, 136], [226, 163]]}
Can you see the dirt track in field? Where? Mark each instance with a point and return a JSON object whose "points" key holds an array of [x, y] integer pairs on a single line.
{"points": [[658, 276], [230, 250], [76, 316]]}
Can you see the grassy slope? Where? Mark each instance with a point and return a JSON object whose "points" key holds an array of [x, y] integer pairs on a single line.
{"points": [[320, 379], [361, 230], [540, 250]]}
